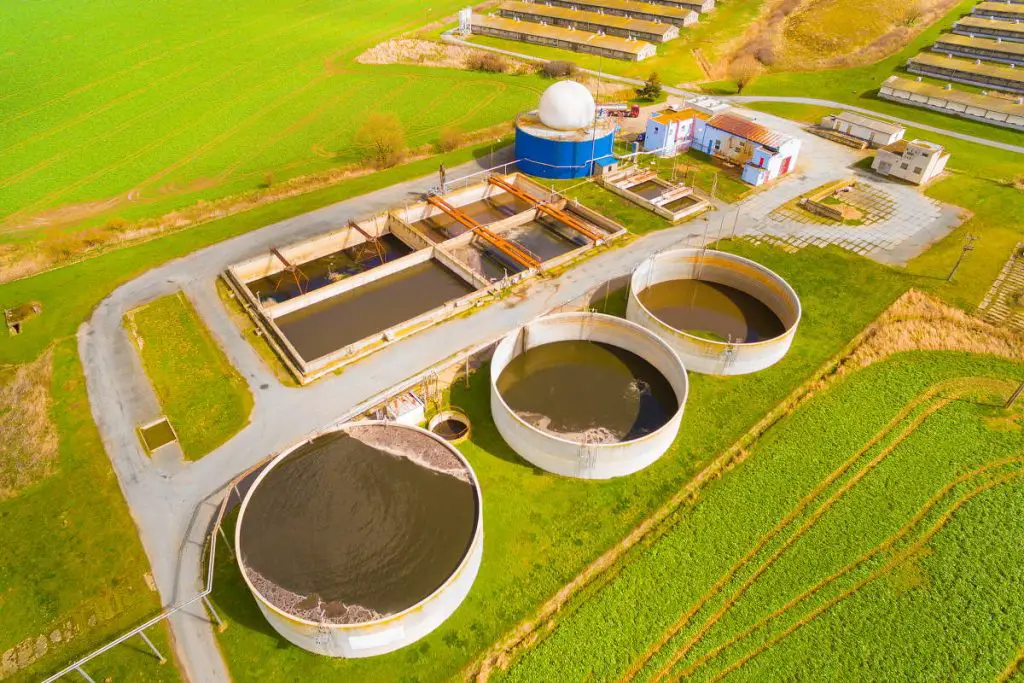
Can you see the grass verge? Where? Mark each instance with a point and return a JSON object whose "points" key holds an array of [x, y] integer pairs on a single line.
{"points": [[205, 398]]}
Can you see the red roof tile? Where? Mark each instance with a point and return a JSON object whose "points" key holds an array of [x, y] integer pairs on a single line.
{"points": [[745, 128]]}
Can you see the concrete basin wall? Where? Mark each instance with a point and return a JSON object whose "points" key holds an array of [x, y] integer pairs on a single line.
{"points": [[704, 355], [572, 458], [390, 633]]}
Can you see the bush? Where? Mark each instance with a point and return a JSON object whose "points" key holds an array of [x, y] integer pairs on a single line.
{"points": [[381, 140], [487, 61], [744, 70], [449, 139], [559, 68], [651, 89]]}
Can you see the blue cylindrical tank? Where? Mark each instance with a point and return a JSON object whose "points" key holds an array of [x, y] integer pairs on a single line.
{"points": [[549, 153]]}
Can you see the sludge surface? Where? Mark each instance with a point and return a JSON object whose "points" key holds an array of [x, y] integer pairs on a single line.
{"points": [[711, 310]]}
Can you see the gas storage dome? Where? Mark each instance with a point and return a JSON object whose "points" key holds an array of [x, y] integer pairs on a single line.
{"points": [[361, 540], [567, 105]]}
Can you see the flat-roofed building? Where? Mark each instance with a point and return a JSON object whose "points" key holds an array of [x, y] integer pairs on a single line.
{"points": [[991, 49], [1000, 111], [671, 131], [1003, 29], [973, 72], [916, 161], [595, 22], [999, 10], [563, 38], [632, 8], [876, 133]]}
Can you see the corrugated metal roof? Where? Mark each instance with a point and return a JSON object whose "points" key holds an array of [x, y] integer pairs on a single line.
{"points": [[1003, 7], [955, 39], [745, 128], [568, 35], [968, 67], [984, 22], [666, 11], [869, 123], [987, 102], [624, 23]]}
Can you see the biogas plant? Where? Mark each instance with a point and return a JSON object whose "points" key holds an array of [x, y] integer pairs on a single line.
{"points": [[367, 535]]}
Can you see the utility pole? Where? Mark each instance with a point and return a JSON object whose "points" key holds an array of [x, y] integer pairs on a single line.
{"points": [[968, 246], [1013, 397]]}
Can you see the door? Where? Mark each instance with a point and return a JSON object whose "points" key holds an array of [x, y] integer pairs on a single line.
{"points": [[785, 165]]}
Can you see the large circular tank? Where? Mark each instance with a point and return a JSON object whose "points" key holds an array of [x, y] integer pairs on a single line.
{"points": [[361, 540], [724, 314], [563, 139], [587, 395]]}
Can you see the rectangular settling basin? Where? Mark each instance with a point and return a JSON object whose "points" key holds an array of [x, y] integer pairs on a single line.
{"points": [[491, 209], [353, 315]]}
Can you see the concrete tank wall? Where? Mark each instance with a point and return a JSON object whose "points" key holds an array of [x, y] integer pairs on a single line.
{"points": [[705, 355], [572, 458], [390, 633]]}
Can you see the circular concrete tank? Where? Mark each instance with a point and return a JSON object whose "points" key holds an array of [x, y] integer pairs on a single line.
{"points": [[723, 314], [587, 395], [362, 540]]}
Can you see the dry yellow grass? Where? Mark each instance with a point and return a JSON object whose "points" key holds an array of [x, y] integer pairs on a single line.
{"points": [[417, 52], [27, 432]]}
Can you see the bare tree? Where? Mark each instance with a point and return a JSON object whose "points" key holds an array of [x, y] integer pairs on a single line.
{"points": [[381, 139], [744, 70]]}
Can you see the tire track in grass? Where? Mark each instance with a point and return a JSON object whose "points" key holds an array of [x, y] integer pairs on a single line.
{"points": [[899, 558], [802, 505], [1013, 668], [713, 620], [870, 554]]}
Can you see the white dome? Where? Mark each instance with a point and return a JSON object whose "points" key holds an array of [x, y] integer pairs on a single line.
{"points": [[567, 105]]}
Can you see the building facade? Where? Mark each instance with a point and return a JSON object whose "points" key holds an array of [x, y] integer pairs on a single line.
{"points": [[876, 133], [763, 154], [916, 161]]}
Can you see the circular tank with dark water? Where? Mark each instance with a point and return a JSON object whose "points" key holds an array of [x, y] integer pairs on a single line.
{"points": [[724, 314], [587, 395], [362, 540]]}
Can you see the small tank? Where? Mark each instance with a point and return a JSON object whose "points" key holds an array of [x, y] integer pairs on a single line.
{"points": [[361, 540], [587, 395], [723, 314]]}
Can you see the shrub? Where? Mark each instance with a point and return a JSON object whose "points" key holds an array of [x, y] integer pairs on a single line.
{"points": [[651, 89], [381, 140], [450, 138], [487, 61], [744, 70], [559, 68]]}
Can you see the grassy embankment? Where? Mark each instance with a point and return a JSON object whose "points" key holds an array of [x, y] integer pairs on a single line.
{"points": [[148, 111], [981, 180], [70, 539], [542, 529], [675, 62], [785, 563], [203, 396]]}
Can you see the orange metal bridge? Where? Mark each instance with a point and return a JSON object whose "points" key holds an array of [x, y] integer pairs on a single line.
{"points": [[558, 215], [510, 249]]}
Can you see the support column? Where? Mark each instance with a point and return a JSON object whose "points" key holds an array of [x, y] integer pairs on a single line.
{"points": [[163, 660]]}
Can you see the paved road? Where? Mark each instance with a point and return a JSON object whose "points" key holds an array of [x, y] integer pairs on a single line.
{"points": [[174, 502], [739, 99]]}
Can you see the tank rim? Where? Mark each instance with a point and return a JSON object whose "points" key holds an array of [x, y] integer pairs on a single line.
{"points": [[476, 537], [790, 329], [583, 316]]}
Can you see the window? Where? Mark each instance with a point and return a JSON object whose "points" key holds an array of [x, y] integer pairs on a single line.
{"points": [[917, 170], [904, 166]]}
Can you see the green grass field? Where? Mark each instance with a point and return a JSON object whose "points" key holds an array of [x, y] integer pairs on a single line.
{"points": [[542, 529], [148, 109], [870, 535], [71, 559], [203, 396]]}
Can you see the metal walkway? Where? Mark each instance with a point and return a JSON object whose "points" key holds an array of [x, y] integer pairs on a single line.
{"points": [[558, 215], [510, 249]]}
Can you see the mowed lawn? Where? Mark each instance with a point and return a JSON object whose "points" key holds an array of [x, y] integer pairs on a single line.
{"points": [[202, 394], [541, 529], [148, 107], [824, 557]]}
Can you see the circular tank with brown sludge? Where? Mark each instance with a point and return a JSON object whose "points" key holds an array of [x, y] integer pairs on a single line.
{"points": [[363, 539], [722, 313], [587, 395]]}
